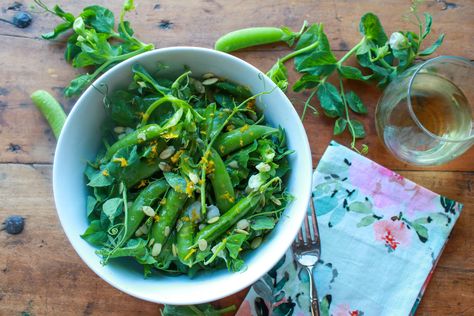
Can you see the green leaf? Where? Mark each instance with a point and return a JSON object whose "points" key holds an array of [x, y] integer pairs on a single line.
{"points": [[360, 207], [84, 59], [71, 48], [371, 27], [100, 18], [279, 75], [234, 244], [63, 15], [90, 204], [100, 180], [58, 30], [79, 26], [177, 182], [330, 100], [428, 22], [94, 234], [364, 48], [317, 63], [195, 310], [366, 221], [358, 130], [352, 73], [315, 33], [340, 126], [77, 85], [355, 103], [140, 73], [262, 222], [430, 50], [122, 111], [421, 231], [112, 208], [306, 81]]}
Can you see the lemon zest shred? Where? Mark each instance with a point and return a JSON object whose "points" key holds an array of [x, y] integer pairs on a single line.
{"points": [[190, 253], [176, 156], [123, 161], [189, 188], [244, 128], [105, 172]]}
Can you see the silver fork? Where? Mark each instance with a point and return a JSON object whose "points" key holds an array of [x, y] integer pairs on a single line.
{"points": [[307, 251]]}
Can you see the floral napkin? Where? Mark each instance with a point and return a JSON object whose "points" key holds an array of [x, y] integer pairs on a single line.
{"points": [[381, 237]]}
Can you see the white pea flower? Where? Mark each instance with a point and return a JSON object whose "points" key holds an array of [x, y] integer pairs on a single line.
{"points": [[397, 41], [256, 181]]}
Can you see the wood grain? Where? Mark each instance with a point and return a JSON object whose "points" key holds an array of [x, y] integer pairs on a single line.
{"points": [[26, 137], [40, 273], [200, 23]]}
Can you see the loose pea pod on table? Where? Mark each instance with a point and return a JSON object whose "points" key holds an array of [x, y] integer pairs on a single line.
{"points": [[164, 190], [253, 36]]}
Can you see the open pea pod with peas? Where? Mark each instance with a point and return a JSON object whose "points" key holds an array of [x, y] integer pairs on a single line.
{"points": [[189, 178]]}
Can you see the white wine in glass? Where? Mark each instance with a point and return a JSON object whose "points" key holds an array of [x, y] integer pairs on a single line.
{"points": [[424, 117]]}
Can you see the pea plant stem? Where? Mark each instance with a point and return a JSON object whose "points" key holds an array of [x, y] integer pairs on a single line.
{"points": [[349, 123], [351, 52], [299, 52]]}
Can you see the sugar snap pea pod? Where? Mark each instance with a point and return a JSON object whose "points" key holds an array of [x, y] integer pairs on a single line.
{"points": [[147, 197], [51, 110], [139, 171], [234, 89], [239, 210], [238, 138], [185, 238], [166, 256], [221, 183], [252, 37], [167, 216], [186, 232], [145, 133]]}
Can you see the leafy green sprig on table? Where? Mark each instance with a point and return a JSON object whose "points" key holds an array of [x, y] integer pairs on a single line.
{"points": [[94, 42], [197, 310], [384, 58]]}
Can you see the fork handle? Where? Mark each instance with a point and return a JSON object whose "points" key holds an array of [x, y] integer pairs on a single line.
{"points": [[313, 293]]}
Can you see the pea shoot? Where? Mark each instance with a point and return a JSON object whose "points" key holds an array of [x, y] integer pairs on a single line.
{"points": [[187, 162], [95, 43], [383, 57]]}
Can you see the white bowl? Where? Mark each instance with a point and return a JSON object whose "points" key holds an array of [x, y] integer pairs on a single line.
{"points": [[81, 138]]}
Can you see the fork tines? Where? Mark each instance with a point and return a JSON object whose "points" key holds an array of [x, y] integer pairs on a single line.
{"points": [[309, 230]]}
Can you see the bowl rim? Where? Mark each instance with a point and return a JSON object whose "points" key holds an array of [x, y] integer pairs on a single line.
{"points": [[225, 291]]}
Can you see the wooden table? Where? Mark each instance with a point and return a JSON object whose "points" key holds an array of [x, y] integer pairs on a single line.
{"points": [[40, 273]]}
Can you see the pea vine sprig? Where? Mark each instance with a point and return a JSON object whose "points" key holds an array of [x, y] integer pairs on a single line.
{"points": [[384, 59]]}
